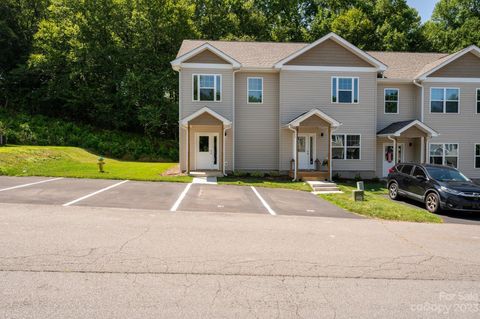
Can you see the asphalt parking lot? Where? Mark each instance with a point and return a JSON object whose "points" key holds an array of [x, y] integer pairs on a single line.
{"points": [[165, 196]]}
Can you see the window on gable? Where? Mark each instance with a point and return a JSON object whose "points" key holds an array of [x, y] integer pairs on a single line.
{"points": [[255, 90], [391, 101], [444, 100], [344, 90], [345, 146], [207, 87], [444, 154]]}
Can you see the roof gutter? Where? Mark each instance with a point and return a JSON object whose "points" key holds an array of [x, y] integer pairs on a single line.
{"points": [[422, 97]]}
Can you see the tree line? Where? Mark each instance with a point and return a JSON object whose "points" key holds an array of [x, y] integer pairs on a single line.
{"points": [[106, 62]]}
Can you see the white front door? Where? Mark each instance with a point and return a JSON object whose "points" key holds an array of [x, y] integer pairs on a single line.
{"points": [[306, 151], [206, 151], [388, 157]]}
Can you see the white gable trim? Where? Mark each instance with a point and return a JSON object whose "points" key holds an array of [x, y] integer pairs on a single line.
{"points": [[420, 125], [176, 64], [296, 122], [185, 120], [332, 36], [473, 48], [451, 80], [206, 66], [327, 68]]}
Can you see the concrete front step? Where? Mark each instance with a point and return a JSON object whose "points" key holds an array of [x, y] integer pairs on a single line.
{"points": [[324, 187], [206, 173]]}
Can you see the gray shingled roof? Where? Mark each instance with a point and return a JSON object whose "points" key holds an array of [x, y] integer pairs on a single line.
{"points": [[394, 127], [401, 65]]}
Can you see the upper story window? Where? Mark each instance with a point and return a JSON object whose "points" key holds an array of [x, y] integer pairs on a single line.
{"points": [[207, 87], [255, 90], [444, 100], [391, 101], [344, 90], [444, 154], [345, 146], [478, 101]]}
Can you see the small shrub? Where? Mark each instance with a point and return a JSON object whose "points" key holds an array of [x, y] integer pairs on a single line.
{"points": [[336, 177], [257, 174], [375, 180], [274, 174], [357, 178]]}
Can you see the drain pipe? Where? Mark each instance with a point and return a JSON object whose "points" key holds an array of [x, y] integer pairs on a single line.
{"points": [[294, 151], [233, 120], [422, 97]]}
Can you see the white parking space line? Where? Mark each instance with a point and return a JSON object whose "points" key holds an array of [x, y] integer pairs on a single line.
{"points": [[180, 198], [94, 193], [30, 184], [270, 210]]}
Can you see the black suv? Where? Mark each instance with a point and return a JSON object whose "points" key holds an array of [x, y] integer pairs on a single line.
{"points": [[439, 187]]}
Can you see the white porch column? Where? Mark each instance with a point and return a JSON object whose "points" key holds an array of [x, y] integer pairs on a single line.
{"points": [[422, 150], [296, 154], [395, 151], [330, 152]]}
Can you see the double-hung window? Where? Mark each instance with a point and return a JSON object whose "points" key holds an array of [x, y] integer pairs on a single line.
{"points": [[478, 101], [255, 90], [344, 90], [346, 146], [207, 87], [444, 154], [444, 100], [477, 155], [391, 101]]}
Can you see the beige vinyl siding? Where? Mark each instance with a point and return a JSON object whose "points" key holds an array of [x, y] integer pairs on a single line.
{"points": [[206, 57], [302, 91], [329, 53], [224, 108], [462, 128], [467, 66], [408, 109], [256, 125]]}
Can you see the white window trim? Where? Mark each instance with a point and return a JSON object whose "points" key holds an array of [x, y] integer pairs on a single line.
{"points": [[444, 99], [443, 154], [248, 89], [477, 99], [214, 87], [345, 147], [385, 101], [337, 86], [475, 156]]}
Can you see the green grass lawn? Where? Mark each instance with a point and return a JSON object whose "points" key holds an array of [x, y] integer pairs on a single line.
{"points": [[271, 182], [377, 205], [76, 162]]}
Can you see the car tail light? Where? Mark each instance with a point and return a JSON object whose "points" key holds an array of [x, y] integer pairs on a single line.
{"points": [[391, 170]]}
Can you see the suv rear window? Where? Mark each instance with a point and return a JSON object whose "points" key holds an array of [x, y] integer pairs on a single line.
{"points": [[407, 169]]}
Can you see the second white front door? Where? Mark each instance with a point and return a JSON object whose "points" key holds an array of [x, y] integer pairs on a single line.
{"points": [[306, 151], [388, 161], [206, 151]]}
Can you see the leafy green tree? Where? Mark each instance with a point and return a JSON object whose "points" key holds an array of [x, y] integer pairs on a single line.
{"points": [[455, 24]]}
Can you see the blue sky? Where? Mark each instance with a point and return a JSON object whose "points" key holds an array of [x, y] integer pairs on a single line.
{"points": [[424, 7]]}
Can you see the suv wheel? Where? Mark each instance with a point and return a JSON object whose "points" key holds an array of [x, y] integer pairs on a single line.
{"points": [[432, 203], [393, 191]]}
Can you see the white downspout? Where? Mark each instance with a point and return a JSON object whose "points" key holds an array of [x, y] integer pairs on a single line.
{"points": [[223, 151], [233, 120], [422, 97], [294, 151]]}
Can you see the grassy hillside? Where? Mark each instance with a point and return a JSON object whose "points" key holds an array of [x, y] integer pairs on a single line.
{"points": [[24, 129], [76, 162]]}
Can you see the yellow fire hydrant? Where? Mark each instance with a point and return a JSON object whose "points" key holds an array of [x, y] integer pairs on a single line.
{"points": [[101, 163]]}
